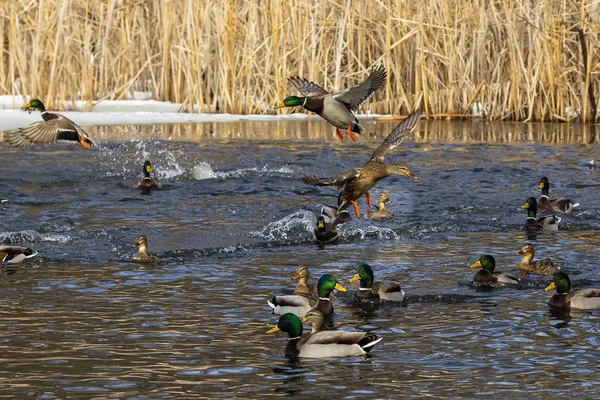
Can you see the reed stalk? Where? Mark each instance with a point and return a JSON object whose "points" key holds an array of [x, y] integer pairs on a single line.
{"points": [[514, 60]]}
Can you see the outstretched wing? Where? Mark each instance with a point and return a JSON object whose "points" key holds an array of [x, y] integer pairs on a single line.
{"points": [[397, 135], [40, 132], [357, 95], [337, 180], [307, 88]]}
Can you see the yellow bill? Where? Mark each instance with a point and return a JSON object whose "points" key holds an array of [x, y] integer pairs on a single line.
{"points": [[339, 287], [355, 278], [273, 330], [550, 287], [526, 205], [280, 105], [476, 265]]}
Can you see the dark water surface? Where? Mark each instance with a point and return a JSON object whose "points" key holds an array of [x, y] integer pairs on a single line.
{"points": [[85, 320]]}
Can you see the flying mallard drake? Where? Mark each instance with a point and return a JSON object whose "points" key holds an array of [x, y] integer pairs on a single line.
{"points": [[300, 305], [360, 180], [54, 128], [379, 211], [487, 276], [336, 108], [15, 254], [584, 299], [142, 254], [147, 183], [533, 223], [543, 267], [368, 289], [322, 344], [563, 205]]}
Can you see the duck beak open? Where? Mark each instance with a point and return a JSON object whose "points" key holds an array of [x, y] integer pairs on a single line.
{"points": [[550, 287], [26, 107], [273, 330], [476, 265], [355, 278], [339, 287]]}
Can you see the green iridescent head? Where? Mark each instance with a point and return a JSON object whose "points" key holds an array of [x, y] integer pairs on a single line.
{"points": [[365, 274], [486, 262], [292, 101], [290, 324], [34, 104], [326, 284], [544, 185], [147, 168], [560, 282], [321, 224]]}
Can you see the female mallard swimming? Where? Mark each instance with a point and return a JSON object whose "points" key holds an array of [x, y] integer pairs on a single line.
{"points": [[487, 276], [142, 254], [300, 305], [564, 205], [386, 290], [584, 299], [15, 254], [322, 344], [532, 224], [543, 267], [380, 212], [360, 180], [315, 319], [147, 183], [54, 128], [336, 108], [326, 232], [302, 287]]}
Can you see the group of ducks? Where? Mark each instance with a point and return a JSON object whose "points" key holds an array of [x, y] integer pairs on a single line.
{"points": [[312, 305]]}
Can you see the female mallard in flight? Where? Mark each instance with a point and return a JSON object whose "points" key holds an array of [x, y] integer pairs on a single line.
{"points": [[360, 180], [380, 211], [584, 299], [368, 289], [563, 205], [147, 183], [322, 344], [487, 276], [336, 108], [54, 128], [142, 254], [543, 267], [300, 305], [15, 254], [533, 223]]}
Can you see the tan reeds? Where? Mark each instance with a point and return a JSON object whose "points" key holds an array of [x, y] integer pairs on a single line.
{"points": [[520, 60]]}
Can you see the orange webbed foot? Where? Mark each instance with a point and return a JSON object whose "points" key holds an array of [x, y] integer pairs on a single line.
{"points": [[339, 134], [351, 134], [356, 210], [368, 199]]}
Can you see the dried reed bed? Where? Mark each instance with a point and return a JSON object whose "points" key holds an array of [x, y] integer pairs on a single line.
{"points": [[521, 60]]}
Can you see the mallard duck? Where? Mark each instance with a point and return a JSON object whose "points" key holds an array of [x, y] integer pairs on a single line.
{"points": [[326, 232], [379, 211], [54, 128], [336, 108], [368, 289], [300, 305], [323, 344], [533, 223], [331, 215], [543, 267], [315, 319], [147, 183], [15, 254], [142, 254], [487, 276], [302, 287], [564, 205], [584, 299], [360, 180]]}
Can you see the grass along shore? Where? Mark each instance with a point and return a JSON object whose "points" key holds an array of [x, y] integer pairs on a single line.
{"points": [[520, 60]]}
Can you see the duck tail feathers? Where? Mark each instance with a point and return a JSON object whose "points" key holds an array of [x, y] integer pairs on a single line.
{"points": [[357, 128], [368, 342]]}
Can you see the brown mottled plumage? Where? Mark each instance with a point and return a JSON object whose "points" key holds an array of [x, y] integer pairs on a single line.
{"points": [[527, 265], [380, 212]]}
